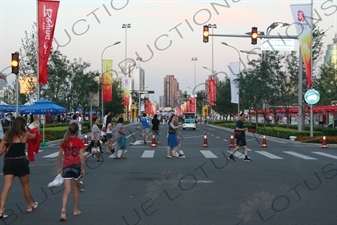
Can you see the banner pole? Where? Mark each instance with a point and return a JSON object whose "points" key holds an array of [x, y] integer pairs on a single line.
{"points": [[37, 55]]}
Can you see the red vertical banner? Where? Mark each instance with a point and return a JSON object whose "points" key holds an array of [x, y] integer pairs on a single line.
{"points": [[47, 14], [193, 105], [212, 92], [107, 80], [147, 106]]}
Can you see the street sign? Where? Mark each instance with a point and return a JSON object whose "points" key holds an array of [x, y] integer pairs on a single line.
{"points": [[311, 96], [277, 44], [146, 92]]}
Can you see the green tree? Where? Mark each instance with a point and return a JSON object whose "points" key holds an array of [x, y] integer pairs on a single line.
{"points": [[326, 83], [223, 105]]}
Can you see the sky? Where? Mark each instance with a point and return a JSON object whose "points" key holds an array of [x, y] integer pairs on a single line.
{"points": [[172, 29]]}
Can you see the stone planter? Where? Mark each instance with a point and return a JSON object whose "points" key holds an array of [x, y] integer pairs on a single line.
{"points": [[292, 138], [251, 130]]}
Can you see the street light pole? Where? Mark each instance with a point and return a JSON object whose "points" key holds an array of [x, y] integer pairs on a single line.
{"points": [[194, 59], [212, 26], [126, 26], [102, 70], [224, 43]]}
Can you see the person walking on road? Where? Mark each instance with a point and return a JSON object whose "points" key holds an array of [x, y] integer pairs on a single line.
{"points": [[156, 127], [109, 128], [16, 163], [119, 132], [95, 136], [172, 140], [72, 167], [145, 127], [241, 139]]}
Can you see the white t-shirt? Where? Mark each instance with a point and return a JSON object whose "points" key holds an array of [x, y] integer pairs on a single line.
{"points": [[108, 131]]}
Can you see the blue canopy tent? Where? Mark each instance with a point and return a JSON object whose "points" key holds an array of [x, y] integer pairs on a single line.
{"points": [[44, 107]]}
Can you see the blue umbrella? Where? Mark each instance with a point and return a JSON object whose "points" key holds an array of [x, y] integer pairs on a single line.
{"points": [[43, 106]]}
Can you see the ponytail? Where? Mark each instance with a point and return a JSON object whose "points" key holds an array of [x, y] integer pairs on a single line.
{"points": [[66, 137]]}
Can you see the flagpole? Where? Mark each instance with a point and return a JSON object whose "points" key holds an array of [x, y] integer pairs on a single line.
{"points": [[37, 55], [312, 37]]}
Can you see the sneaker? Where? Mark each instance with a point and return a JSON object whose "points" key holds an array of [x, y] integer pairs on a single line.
{"points": [[181, 155], [231, 157], [81, 186], [247, 159]]}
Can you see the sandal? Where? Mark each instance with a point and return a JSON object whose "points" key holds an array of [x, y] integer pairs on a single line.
{"points": [[63, 216], [123, 157], [3, 216], [34, 206], [99, 160], [77, 213]]}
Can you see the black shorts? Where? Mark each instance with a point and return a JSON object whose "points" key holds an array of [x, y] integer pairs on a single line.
{"points": [[72, 172], [241, 142], [16, 167]]}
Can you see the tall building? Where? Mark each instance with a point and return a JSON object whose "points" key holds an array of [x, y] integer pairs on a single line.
{"points": [[331, 52], [171, 87], [138, 75], [161, 101]]}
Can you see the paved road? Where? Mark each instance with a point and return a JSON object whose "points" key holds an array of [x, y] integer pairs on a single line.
{"points": [[287, 183]]}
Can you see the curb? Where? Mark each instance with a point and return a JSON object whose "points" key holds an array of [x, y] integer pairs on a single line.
{"points": [[275, 138]]}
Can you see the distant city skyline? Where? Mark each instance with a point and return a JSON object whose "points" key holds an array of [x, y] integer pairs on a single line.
{"points": [[165, 34]]}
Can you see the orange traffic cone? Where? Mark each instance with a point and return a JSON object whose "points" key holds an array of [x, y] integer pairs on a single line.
{"points": [[205, 141], [324, 144], [264, 141], [85, 140], [154, 142], [231, 142]]}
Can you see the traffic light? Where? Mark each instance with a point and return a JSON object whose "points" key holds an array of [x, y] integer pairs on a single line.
{"points": [[205, 110], [254, 35], [206, 33], [15, 63]]}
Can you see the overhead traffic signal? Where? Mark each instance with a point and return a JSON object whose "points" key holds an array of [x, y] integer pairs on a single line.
{"points": [[15, 63], [254, 35], [206, 33]]}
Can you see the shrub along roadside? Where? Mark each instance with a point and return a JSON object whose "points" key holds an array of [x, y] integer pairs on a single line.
{"points": [[281, 131]]}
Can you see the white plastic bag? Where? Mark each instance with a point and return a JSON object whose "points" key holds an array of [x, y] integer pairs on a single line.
{"points": [[58, 180]]}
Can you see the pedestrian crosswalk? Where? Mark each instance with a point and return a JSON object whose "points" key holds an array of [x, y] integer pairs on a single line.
{"points": [[212, 154]]}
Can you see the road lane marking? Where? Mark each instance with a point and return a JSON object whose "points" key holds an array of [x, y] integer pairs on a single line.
{"points": [[325, 154], [269, 155], [299, 155], [208, 154], [53, 155], [237, 154], [148, 154]]}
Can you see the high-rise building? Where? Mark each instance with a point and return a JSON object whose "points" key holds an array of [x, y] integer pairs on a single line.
{"points": [[138, 75], [161, 101], [171, 87], [331, 52]]}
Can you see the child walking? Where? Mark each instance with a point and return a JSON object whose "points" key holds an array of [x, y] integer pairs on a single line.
{"points": [[72, 167]]}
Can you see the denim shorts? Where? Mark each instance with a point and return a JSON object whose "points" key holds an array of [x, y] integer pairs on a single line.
{"points": [[72, 172]]}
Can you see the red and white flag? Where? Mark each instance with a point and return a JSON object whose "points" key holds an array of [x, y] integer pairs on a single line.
{"points": [[47, 14]]}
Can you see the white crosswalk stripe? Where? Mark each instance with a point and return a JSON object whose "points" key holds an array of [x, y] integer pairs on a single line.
{"points": [[208, 154], [148, 154], [300, 155], [237, 154], [269, 155], [53, 155], [326, 155]]}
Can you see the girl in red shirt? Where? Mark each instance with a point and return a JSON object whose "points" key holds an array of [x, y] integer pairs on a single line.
{"points": [[72, 167]]}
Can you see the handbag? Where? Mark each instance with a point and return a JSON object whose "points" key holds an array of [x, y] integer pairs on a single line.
{"points": [[237, 134], [103, 129], [95, 151], [122, 142]]}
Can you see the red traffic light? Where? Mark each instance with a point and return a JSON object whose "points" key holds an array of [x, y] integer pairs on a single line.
{"points": [[254, 35], [205, 33]]}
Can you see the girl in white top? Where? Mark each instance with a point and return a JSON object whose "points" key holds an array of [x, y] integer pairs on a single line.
{"points": [[109, 128]]}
